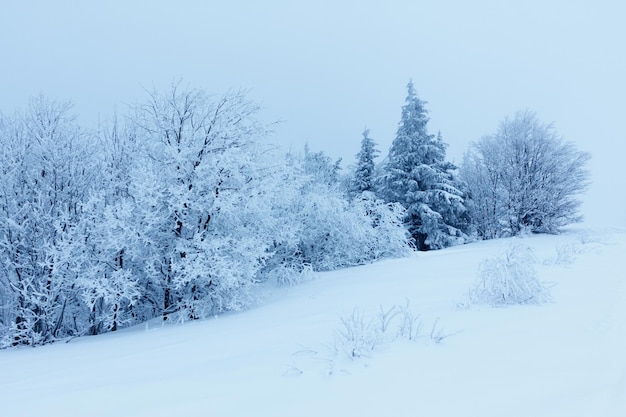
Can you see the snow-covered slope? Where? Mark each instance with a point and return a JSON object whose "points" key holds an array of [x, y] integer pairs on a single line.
{"points": [[282, 358]]}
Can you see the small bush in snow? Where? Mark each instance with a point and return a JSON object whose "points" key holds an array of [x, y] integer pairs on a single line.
{"points": [[359, 334], [565, 255], [510, 278]]}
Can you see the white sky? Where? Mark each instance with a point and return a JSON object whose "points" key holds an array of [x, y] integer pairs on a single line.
{"points": [[330, 68]]}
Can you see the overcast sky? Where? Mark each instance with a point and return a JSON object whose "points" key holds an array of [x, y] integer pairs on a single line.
{"points": [[330, 68]]}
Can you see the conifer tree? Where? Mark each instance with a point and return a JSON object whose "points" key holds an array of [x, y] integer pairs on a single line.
{"points": [[364, 175], [418, 177]]}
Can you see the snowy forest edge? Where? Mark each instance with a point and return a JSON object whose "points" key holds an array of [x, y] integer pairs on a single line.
{"points": [[178, 209]]}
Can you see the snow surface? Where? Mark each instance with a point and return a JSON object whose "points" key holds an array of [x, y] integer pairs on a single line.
{"points": [[276, 359]]}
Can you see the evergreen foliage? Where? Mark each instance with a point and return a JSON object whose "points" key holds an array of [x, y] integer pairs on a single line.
{"points": [[365, 173], [418, 177]]}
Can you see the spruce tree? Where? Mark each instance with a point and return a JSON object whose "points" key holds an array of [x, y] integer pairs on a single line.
{"points": [[364, 175], [418, 177]]}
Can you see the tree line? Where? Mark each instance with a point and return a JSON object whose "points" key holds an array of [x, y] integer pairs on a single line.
{"points": [[178, 210], [523, 178]]}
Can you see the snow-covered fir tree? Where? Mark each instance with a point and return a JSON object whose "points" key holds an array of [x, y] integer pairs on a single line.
{"points": [[418, 177], [364, 178]]}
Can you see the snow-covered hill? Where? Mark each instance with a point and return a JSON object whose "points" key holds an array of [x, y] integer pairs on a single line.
{"points": [[285, 357]]}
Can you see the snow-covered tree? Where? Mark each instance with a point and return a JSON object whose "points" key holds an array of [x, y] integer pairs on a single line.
{"points": [[365, 172], [104, 250], [418, 177], [321, 168], [102, 255], [322, 229], [524, 177], [49, 168], [201, 199]]}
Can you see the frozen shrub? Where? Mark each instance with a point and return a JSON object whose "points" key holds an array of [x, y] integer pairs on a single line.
{"points": [[360, 333], [357, 335], [510, 278], [565, 255]]}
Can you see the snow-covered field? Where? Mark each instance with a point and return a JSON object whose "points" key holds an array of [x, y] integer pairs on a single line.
{"points": [[284, 358]]}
